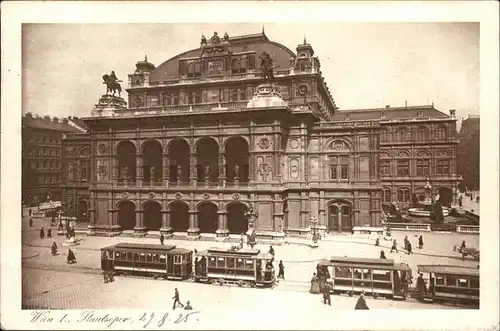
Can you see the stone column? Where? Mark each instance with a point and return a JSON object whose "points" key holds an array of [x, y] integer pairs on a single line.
{"points": [[222, 168], [192, 168], [194, 230], [166, 169], [339, 217], [114, 228], [222, 232], [166, 228], [139, 228], [138, 170]]}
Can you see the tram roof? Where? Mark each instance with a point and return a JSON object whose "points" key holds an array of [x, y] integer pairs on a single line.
{"points": [[148, 247], [359, 260], [448, 269], [225, 252]]}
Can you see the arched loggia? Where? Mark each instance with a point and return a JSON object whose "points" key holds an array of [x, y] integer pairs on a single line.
{"points": [[207, 217], [152, 161], [207, 160], [178, 152], [237, 222], [237, 160], [126, 215], [179, 216], [152, 215], [125, 154]]}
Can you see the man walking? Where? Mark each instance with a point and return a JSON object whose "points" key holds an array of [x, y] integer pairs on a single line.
{"points": [[49, 233], [326, 295], [176, 299], [31, 222], [394, 246], [281, 272], [42, 233]]}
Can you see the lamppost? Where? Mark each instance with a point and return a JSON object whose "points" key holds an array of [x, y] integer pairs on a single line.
{"points": [[314, 222]]}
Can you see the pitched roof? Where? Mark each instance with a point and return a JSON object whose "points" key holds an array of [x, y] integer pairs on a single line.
{"points": [[389, 113], [47, 124]]}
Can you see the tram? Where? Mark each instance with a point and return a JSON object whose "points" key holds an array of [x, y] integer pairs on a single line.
{"points": [[448, 283], [376, 277], [165, 261], [235, 266]]}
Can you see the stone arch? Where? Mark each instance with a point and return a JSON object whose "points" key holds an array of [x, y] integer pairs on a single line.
{"points": [[207, 149], [126, 214], [404, 154], [126, 157], [384, 155], [207, 216], [340, 215], [84, 151], [179, 215], [403, 133], [442, 153], [152, 160], [178, 152], [423, 153], [237, 222], [118, 143], [152, 215], [237, 152], [148, 141], [330, 144], [441, 132], [422, 132]]}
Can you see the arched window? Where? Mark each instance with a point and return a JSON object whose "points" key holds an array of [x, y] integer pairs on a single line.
{"points": [[235, 66], [422, 133], [404, 195], [441, 133], [386, 195], [384, 136], [404, 134]]}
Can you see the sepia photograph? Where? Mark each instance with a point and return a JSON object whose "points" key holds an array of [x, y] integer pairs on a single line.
{"points": [[267, 168]]}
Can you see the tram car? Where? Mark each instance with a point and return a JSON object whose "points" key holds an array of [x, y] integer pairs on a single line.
{"points": [[376, 277], [159, 261], [453, 284], [248, 267]]}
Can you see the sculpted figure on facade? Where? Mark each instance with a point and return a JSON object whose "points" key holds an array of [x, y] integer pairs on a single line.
{"points": [[179, 173], [236, 171], [152, 174], [112, 84], [207, 171], [266, 65], [125, 172]]}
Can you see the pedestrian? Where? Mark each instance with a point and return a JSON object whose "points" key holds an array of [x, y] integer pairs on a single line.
{"points": [[314, 284], [42, 233], [176, 299], [281, 272], [420, 242], [162, 238], [271, 250], [421, 290], [49, 233], [377, 242], [477, 199], [53, 248], [71, 257], [382, 255], [408, 248], [406, 241], [394, 246], [361, 303], [29, 212], [31, 222], [463, 245], [326, 295], [188, 306], [460, 202]]}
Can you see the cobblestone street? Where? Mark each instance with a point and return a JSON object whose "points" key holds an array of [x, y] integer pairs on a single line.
{"points": [[49, 282]]}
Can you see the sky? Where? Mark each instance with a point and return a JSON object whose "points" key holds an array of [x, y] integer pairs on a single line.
{"points": [[365, 65]]}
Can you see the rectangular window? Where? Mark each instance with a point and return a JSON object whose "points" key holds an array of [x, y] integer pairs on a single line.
{"points": [[230, 262], [474, 282], [344, 171], [406, 196], [197, 97], [463, 282], [422, 167], [403, 167], [177, 259], [221, 262], [251, 62], [385, 167], [439, 281], [451, 281], [240, 264], [333, 171], [234, 95], [243, 94], [443, 167], [190, 98], [249, 264]]}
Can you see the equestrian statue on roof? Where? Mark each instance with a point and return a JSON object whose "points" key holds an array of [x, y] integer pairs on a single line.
{"points": [[112, 83], [266, 65]]}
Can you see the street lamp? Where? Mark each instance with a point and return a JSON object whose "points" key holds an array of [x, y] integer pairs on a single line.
{"points": [[314, 222], [428, 189]]}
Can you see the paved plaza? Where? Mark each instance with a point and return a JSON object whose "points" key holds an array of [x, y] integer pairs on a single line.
{"points": [[49, 282]]}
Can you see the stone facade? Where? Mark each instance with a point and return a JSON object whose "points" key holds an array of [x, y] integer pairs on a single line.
{"points": [[205, 139]]}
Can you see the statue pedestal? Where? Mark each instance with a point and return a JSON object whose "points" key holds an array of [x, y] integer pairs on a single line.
{"points": [[266, 95], [109, 105], [71, 242]]}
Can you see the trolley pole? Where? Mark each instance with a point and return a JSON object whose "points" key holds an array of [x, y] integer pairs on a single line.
{"points": [[314, 222]]}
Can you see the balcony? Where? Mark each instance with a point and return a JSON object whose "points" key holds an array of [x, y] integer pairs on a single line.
{"points": [[182, 184]]}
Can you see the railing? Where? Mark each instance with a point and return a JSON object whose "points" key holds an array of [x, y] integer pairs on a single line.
{"points": [[409, 226], [184, 183], [468, 229]]}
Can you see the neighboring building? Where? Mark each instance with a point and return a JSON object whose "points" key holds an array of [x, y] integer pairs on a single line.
{"points": [[206, 139], [468, 153], [41, 157], [415, 143]]}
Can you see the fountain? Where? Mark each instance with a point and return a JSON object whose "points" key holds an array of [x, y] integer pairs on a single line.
{"points": [[425, 211]]}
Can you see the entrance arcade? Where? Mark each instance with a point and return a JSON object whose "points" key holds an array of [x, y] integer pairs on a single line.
{"points": [[126, 215], [236, 220], [340, 217], [152, 215], [179, 216], [207, 217]]}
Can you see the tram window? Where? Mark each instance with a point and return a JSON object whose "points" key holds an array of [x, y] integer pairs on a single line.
{"points": [[162, 258], [155, 258], [343, 272], [149, 257], [439, 280], [381, 275], [230, 262], [249, 264], [177, 259], [117, 255], [451, 281], [367, 274], [463, 282], [357, 273], [212, 262], [130, 256], [104, 255], [221, 262], [188, 258], [124, 256], [474, 282], [136, 257], [142, 257], [239, 264]]}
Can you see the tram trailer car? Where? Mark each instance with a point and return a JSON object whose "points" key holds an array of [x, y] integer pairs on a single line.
{"points": [[377, 277], [164, 261], [248, 267], [454, 284]]}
